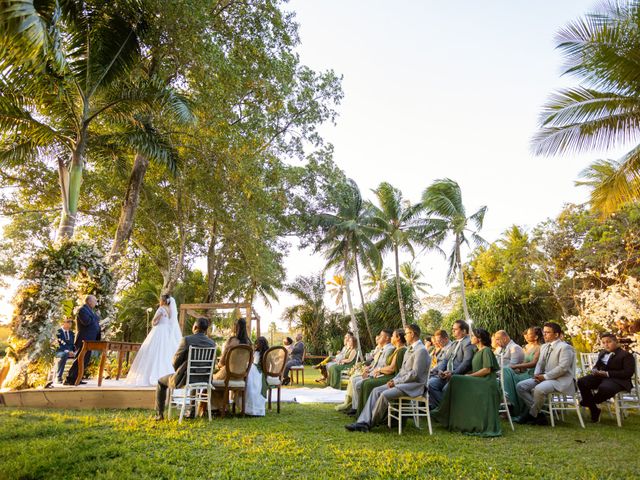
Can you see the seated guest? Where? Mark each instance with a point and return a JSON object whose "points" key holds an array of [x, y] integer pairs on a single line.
{"points": [[429, 344], [410, 381], [523, 371], [457, 362], [325, 364], [471, 402], [442, 346], [295, 358], [178, 379], [66, 347], [288, 344], [259, 349], [383, 350], [334, 371], [611, 374], [554, 372], [380, 376], [511, 352], [241, 337]]}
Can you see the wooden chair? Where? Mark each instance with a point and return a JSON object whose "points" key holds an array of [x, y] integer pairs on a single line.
{"points": [[411, 407], [273, 363], [238, 361], [504, 404], [298, 369], [197, 389]]}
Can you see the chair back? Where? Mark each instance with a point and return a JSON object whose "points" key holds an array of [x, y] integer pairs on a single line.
{"points": [[588, 361], [238, 361], [635, 380], [200, 364], [273, 361]]}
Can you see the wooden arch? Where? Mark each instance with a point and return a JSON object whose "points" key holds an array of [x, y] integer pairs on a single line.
{"points": [[197, 310]]}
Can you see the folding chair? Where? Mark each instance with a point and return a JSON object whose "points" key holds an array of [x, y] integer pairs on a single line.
{"points": [[504, 404], [200, 362], [558, 403], [411, 407], [625, 401]]}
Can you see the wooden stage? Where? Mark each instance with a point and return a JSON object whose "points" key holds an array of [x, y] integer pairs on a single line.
{"points": [[112, 394]]}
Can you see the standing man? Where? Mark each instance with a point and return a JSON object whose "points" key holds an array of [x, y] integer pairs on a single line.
{"points": [[456, 362], [611, 374], [410, 381], [66, 347], [510, 352], [295, 358], [88, 329], [555, 372]]}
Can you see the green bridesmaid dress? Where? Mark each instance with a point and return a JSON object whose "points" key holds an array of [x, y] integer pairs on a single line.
{"points": [[334, 372], [511, 379], [370, 383], [470, 404]]}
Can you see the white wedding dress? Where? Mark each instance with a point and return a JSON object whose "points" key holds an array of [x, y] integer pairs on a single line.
{"points": [[154, 359], [255, 402]]}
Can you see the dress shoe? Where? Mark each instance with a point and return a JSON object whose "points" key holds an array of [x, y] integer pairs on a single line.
{"points": [[351, 412], [542, 420], [82, 383], [595, 414], [357, 427], [524, 419], [286, 381], [159, 417]]}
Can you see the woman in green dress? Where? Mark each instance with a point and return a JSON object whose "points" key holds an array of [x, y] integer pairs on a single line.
{"points": [[334, 371], [471, 402], [380, 376], [523, 371]]}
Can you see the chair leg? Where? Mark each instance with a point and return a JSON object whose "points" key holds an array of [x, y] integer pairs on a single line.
{"points": [[278, 408], [209, 402], [551, 413], [616, 402], [429, 418], [400, 416], [225, 401], [169, 408], [303, 375], [269, 397], [577, 404], [184, 405], [244, 398]]}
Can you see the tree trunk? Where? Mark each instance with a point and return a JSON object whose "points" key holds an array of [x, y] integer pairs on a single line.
{"points": [[129, 207], [354, 321], [364, 306], [398, 287], [212, 265], [462, 289], [70, 182]]}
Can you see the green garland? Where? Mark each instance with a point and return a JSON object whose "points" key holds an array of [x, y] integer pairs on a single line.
{"points": [[55, 282]]}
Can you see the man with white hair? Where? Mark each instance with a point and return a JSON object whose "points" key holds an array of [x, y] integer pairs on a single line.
{"points": [[88, 322]]}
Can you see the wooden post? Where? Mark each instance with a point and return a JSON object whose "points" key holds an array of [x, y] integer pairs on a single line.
{"points": [[248, 317]]}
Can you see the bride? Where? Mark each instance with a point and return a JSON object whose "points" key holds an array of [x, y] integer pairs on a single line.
{"points": [[154, 359]]}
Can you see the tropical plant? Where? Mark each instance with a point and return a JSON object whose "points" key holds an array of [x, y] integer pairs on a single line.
{"points": [[602, 113], [376, 280], [337, 289], [309, 313], [400, 224], [347, 237], [442, 203]]}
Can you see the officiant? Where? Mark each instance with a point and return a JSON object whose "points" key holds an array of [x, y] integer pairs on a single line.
{"points": [[88, 322]]}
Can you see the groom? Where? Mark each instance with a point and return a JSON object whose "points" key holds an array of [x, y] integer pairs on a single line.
{"points": [[178, 379]]}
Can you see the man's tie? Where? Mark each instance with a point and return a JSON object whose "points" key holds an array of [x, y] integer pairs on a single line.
{"points": [[546, 358], [66, 335]]}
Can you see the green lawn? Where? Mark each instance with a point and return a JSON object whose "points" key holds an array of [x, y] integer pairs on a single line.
{"points": [[304, 441]]}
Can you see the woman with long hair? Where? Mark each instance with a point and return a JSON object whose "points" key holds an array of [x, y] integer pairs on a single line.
{"points": [[523, 371]]}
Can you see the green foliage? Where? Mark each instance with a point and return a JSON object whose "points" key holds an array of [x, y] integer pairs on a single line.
{"points": [[119, 444], [431, 320]]}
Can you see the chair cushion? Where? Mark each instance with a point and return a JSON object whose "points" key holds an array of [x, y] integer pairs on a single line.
{"points": [[273, 381], [297, 367], [232, 383]]}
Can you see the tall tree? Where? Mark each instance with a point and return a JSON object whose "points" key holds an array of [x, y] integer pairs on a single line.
{"points": [[309, 312], [447, 217], [602, 113], [400, 224]]}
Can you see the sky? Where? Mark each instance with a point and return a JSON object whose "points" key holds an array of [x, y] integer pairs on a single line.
{"points": [[442, 89]]}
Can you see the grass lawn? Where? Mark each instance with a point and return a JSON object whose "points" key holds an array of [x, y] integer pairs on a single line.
{"points": [[304, 441]]}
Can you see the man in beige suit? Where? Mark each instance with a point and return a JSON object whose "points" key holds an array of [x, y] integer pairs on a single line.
{"points": [[410, 381], [555, 372]]}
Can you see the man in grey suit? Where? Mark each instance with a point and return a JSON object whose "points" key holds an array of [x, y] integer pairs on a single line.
{"points": [[410, 381], [457, 362], [295, 358], [178, 379], [555, 372], [509, 351]]}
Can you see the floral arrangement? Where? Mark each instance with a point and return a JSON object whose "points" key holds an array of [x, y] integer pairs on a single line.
{"points": [[614, 308], [53, 286]]}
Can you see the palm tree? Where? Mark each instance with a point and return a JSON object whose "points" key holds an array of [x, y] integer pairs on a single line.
{"points": [[309, 313], [376, 280], [400, 224], [347, 238], [66, 76], [604, 112], [336, 289], [414, 277], [442, 202]]}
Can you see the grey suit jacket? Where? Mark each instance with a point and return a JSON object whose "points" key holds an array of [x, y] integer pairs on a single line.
{"points": [[412, 377], [558, 365], [178, 379], [512, 354], [382, 358], [462, 356], [297, 352]]}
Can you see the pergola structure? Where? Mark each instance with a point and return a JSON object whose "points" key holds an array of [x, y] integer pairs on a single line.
{"points": [[208, 309]]}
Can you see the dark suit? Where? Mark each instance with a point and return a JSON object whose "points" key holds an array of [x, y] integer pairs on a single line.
{"points": [[88, 329], [458, 361], [295, 358], [65, 345], [178, 379], [620, 368]]}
